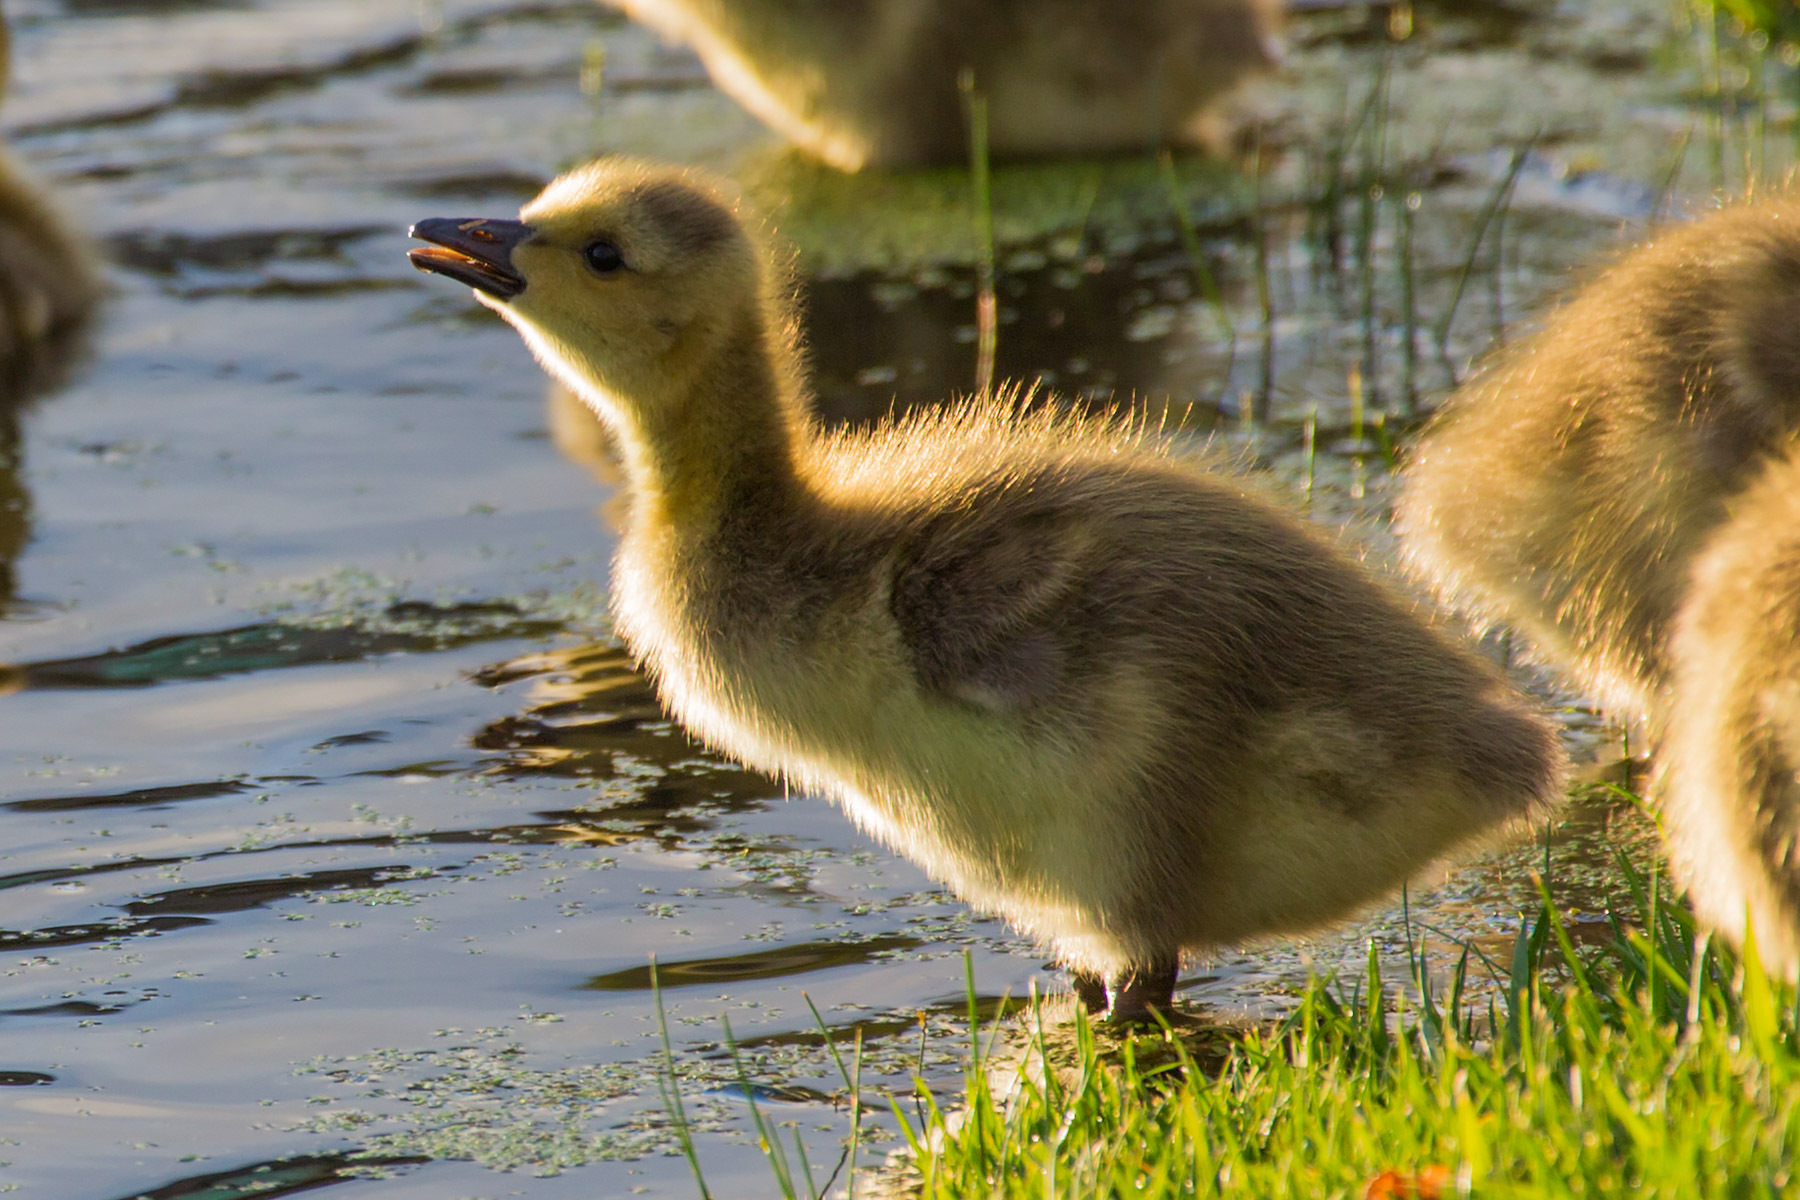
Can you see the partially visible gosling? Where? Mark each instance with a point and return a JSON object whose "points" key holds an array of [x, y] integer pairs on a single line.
{"points": [[1128, 705], [861, 83], [1566, 488], [49, 275], [1728, 770]]}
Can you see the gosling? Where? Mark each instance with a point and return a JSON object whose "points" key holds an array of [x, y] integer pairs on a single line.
{"points": [[861, 83], [1128, 705], [49, 277], [1728, 770], [1566, 489]]}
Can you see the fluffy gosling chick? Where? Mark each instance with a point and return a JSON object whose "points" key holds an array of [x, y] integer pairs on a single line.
{"points": [[1566, 488], [874, 82], [1728, 769], [49, 277], [1128, 705]]}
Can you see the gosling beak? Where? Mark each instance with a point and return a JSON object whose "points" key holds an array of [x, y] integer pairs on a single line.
{"points": [[472, 250]]}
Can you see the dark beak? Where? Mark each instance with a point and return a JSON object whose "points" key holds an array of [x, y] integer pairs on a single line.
{"points": [[472, 250]]}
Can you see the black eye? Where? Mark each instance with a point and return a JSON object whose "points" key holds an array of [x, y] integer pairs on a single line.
{"points": [[604, 257]]}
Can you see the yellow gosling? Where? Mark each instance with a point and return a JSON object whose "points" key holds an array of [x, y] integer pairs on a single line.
{"points": [[1728, 772], [874, 82], [1566, 488], [1125, 703]]}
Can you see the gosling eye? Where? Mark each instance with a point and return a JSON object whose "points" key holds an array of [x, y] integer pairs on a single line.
{"points": [[604, 258]]}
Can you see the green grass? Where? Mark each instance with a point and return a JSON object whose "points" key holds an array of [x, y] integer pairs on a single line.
{"points": [[1776, 20], [1639, 1059], [1651, 1064]]}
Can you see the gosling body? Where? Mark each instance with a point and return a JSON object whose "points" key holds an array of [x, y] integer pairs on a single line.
{"points": [[1728, 772], [874, 82], [1129, 705], [49, 276], [1566, 489]]}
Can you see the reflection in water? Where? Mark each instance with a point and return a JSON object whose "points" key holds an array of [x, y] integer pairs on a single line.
{"points": [[591, 715], [869, 83], [251, 263], [1093, 328], [49, 283], [15, 512]]}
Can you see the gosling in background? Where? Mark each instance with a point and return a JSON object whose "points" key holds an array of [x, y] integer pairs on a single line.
{"points": [[861, 83], [49, 277], [1728, 770], [1127, 704], [1566, 489]]}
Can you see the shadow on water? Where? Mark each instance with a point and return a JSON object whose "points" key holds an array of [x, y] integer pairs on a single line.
{"points": [[777, 963], [184, 908], [988, 1008], [278, 1177], [407, 627]]}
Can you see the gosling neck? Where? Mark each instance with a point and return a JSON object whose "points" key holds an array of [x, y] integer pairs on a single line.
{"points": [[723, 441]]}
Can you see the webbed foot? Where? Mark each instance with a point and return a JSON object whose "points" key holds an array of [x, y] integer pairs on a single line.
{"points": [[1141, 990], [1090, 989]]}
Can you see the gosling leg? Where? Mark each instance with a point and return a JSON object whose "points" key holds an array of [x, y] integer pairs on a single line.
{"points": [[1142, 989], [1090, 989]]}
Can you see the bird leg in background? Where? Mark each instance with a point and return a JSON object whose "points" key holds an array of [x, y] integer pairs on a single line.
{"points": [[1138, 990]]}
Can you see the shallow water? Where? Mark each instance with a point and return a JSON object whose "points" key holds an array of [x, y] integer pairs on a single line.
{"points": [[332, 826]]}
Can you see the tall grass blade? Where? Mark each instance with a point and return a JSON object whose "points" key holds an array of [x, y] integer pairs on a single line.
{"points": [[1309, 447], [1196, 256], [1665, 189], [852, 1078], [1408, 209], [987, 310], [1368, 200], [1501, 195], [1265, 302], [670, 1087], [767, 1138]]}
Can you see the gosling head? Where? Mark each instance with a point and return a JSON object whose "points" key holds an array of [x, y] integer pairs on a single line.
{"points": [[623, 278]]}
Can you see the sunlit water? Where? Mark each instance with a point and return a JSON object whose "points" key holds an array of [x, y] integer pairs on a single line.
{"points": [[332, 825]]}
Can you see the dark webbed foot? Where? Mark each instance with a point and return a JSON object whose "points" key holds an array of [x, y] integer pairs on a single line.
{"points": [[1141, 990], [1090, 989]]}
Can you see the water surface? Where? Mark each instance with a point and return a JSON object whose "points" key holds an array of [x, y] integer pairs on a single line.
{"points": [[336, 834]]}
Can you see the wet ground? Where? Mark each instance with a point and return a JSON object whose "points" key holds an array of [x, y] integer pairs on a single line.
{"points": [[335, 835]]}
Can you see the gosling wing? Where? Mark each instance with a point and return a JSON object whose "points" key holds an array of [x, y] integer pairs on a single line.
{"points": [[984, 605]]}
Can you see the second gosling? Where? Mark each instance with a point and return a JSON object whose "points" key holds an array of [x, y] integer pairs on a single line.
{"points": [[1728, 769], [1127, 704], [1566, 488], [861, 83], [50, 276]]}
